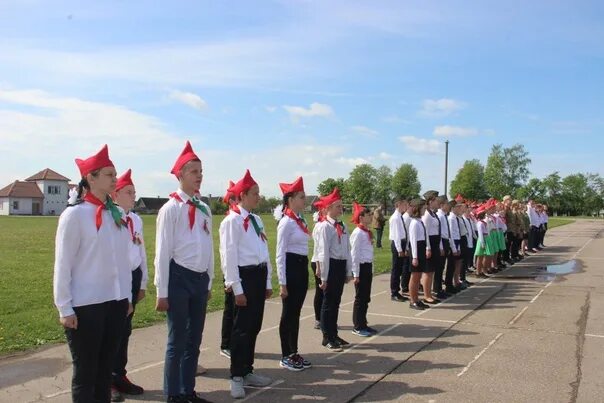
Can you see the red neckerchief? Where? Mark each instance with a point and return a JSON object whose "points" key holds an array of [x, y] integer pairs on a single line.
{"points": [[369, 233], [339, 229], [130, 224], [90, 198], [191, 211], [297, 219]]}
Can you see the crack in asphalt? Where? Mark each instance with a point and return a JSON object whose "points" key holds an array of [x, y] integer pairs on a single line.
{"points": [[582, 325]]}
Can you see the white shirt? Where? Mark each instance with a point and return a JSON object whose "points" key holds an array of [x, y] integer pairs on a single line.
{"points": [[432, 224], [290, 239], [490, 220], [416, 234], [398, 231], [482, 228], [90, 266], [191, 248], [315, 238], [469, 231], [138, 254], [239, 247], [361, 250], [533, 216], [455, 226], [407, 219], [445, 229], [332, 247]]}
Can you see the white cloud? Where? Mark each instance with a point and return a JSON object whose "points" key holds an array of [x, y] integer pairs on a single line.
{"points": [[364, 131], [454, 131], [315, 110], [385, 156], [190, 99], [352, 162], [270, 109], [423, 146], [435, 108]]}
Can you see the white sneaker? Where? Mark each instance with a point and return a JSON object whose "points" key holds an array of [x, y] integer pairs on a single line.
{"points": [[253, 379], [237, 391]]}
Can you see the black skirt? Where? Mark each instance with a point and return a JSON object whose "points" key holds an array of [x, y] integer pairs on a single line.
{"points": [[421, 258], [434, 262]]}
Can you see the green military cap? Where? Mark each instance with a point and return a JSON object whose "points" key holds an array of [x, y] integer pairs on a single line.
{"points": [[431, 194], [442, 199], [417, 202]]}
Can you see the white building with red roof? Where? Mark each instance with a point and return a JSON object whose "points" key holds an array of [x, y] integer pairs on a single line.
{"points": [[44, 193]]}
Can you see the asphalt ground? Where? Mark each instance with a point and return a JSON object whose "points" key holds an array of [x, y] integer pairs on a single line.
{"points": [[534, 332]]}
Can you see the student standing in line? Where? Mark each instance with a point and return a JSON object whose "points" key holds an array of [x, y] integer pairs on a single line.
{"points": [[125, 197], [92, 282], [361, 247], [398, 247], [229, 300], [418, 246], [448, 247], [454, 263], [292, 271], [244, 248], [435, 251], [333, 255], [318, 219], [184, 270]]}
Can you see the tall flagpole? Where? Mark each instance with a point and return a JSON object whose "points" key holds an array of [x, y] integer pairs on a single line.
{"points": [[446, 164]]}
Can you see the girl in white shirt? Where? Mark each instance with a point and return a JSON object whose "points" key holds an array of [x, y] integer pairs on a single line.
{"points": [[244, 250], [93, 279], [125, 197], [418, 247], [292, 271], [318, 219], [361, 249]]}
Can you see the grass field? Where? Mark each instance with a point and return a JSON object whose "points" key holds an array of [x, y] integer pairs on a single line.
{"points": [[28, 317]]}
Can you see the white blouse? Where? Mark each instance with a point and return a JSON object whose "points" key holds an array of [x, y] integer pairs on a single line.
{"points": [[361, 250], [290, 239]]}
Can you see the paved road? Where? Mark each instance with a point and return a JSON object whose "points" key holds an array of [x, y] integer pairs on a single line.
{"points": [[525, 335]]}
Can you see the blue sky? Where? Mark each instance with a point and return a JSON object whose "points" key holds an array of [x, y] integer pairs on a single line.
{"points": [[290, 88]]}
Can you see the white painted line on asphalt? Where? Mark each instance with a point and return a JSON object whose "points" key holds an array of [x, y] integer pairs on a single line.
{"points": [[537, 296], [583, 247], [353, 346], [594, 335], [467, 367], [518, 316], [264, 389]]}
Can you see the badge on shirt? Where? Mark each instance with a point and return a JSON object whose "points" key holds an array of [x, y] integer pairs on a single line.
{"points": [[205, 227]]}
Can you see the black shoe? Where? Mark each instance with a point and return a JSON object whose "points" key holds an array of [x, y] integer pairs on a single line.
{"points": [[126, 387], [421, 303], [405, 291], [194, 398], [116, 396], [341, 341], [176, 399], [442, 295], [433, 302], [451, 290], [416, 306], [398, 297], [333, 346]]}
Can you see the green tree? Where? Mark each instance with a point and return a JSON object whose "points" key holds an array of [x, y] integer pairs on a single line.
{"points": [[360, 185], [553, 189], [383, 185], [574, 194], [469, 181], [405, 181], [506, 170], [533, 190], [326, 187]]}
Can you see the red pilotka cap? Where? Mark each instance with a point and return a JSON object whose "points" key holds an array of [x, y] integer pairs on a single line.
{"points": [[97, 161], [296, 186], [244, 184], [227, 196], [185, 156], [459, 198], [124, 180], [357, 209], [331, 198]]}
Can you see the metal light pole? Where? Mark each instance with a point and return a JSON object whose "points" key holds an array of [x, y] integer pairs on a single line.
{"points": [[446, 163]]}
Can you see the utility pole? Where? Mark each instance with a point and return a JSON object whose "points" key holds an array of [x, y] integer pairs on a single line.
{"points": [[446, 164]]}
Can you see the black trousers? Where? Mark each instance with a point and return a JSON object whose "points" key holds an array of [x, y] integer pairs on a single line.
{"points": [[296, 275], [437, 281], [451, 261], [247, 320], [379, 232], [533, 237], [93, 347], [434, 262], [513, 245], [362, 296], [227, 320], [318, 300], [397, 280], [121, 359], [332, 296]]}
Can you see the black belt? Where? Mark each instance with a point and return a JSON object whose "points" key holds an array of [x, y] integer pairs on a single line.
{"points": [[251, 267]]}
